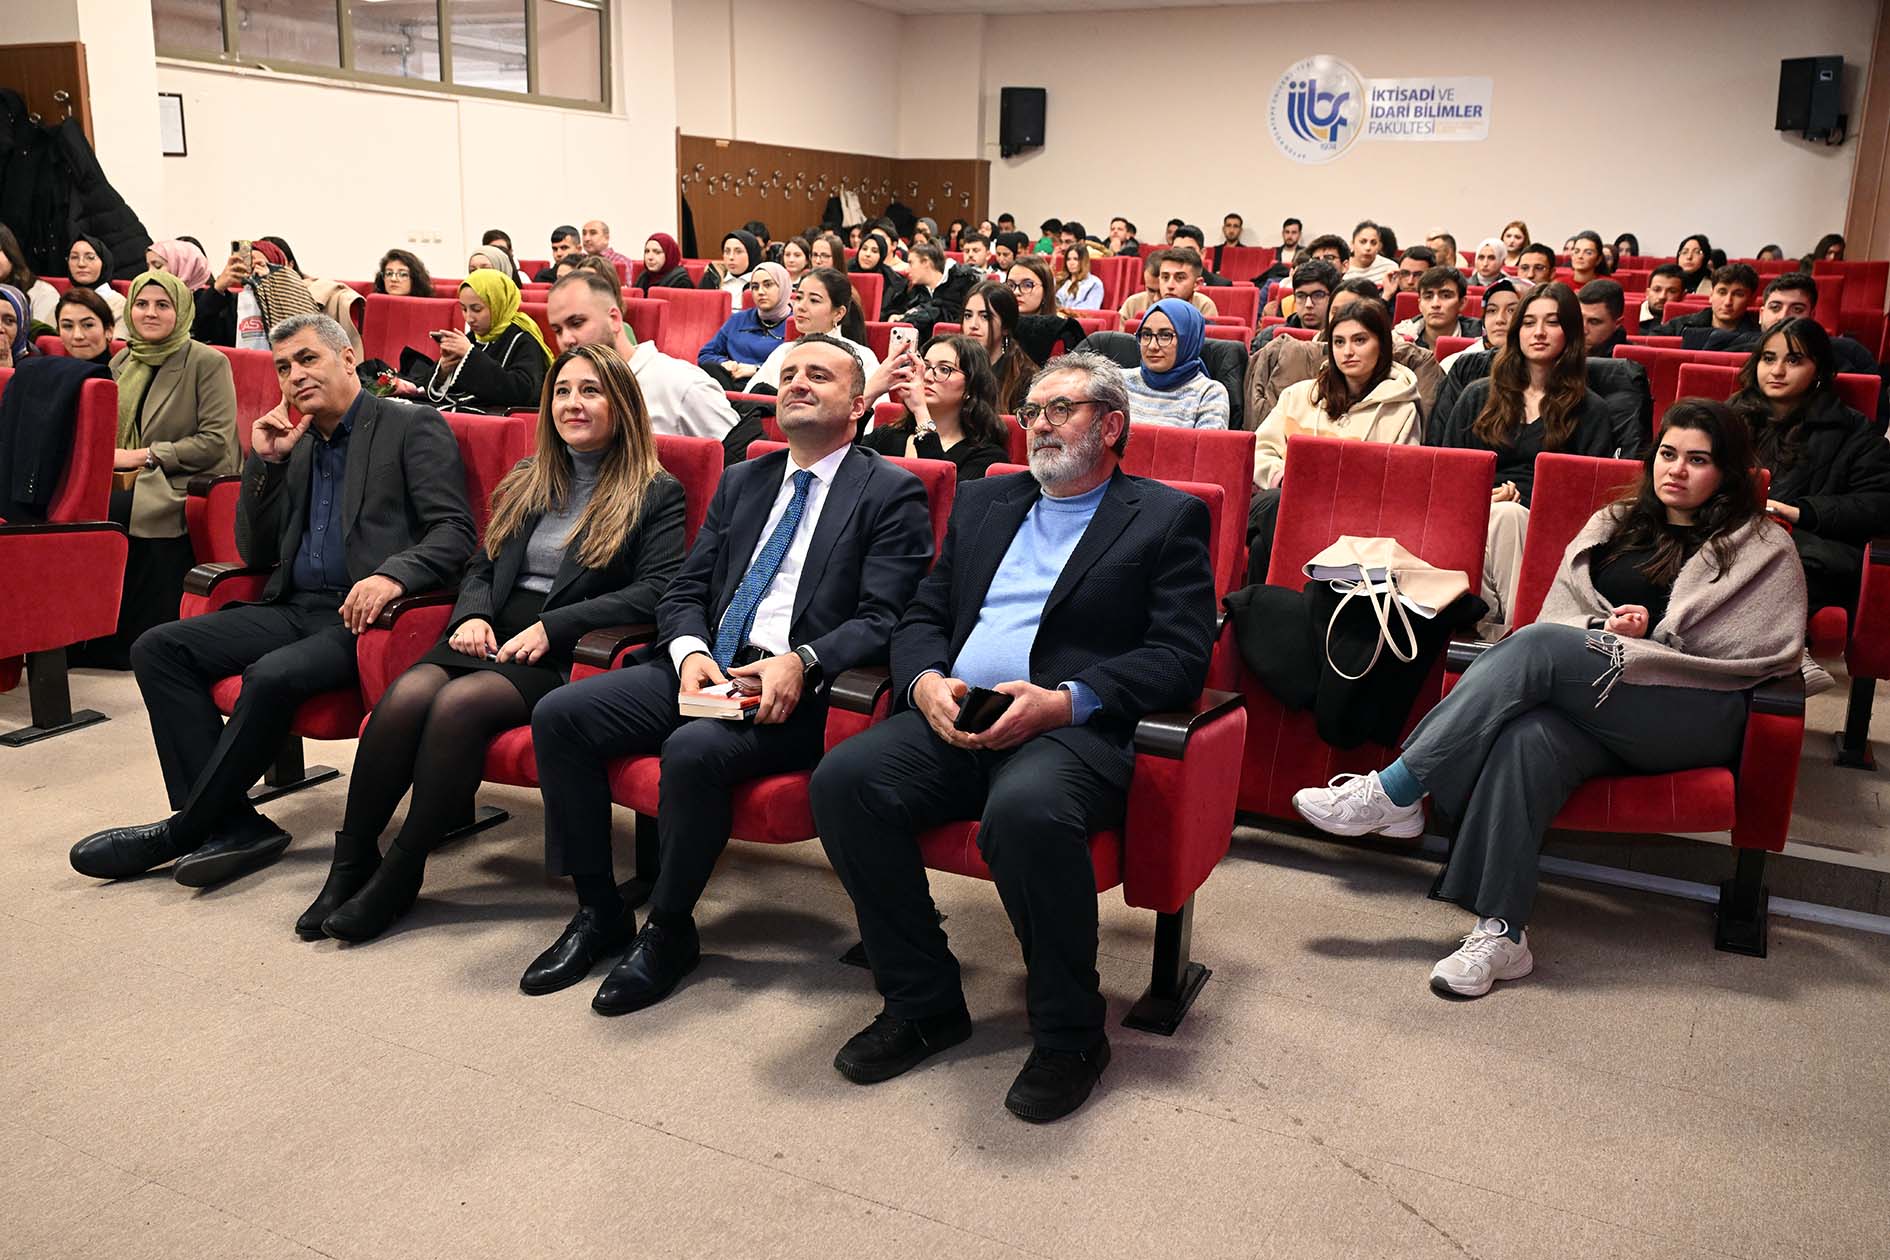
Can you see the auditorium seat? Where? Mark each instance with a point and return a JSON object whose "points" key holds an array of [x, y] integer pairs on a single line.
{"points": [[695, 315], [1120, 276], [211, 498], [1447, 346], [1406, 306], [1243, 262], [871, 286], [1663, 366], [539, 314], [1720, 381], [1236, 301], [1861, 313], [393, 324]]}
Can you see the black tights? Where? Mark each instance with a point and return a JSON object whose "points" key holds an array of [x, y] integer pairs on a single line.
{"points": [[429, 732]]}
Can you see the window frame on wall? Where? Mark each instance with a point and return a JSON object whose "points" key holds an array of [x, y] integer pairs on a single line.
{"points": [[345, 72]]}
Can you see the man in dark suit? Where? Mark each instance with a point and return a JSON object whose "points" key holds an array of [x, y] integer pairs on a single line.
{"points": [[1087, 597], [802, 566], [359, 502]]}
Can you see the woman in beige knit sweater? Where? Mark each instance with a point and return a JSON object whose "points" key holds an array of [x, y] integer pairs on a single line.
{"points": [[1669, 606]]}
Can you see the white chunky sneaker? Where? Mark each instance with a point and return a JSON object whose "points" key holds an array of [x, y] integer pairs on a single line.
{"points": [[1817, 678], [1486, 956], [1355, 805]]}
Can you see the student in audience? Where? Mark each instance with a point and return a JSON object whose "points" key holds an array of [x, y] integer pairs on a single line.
{"points": [[1830, 466], [41, 297], [1793, 295], [1584, 259], [1232, 226], [813, 604], [1082, 662], [1412, 265], [1330, 249], [586, 309], [89, 265], [1728, 308], [1190, 237], [408, 530], [1287, 253], [1122, 238], [1030, 283], [991, 320], [1440, 303], [1007, 248], [1488, 268], [1388, 242], [794, 258], [1080, 289], [1173, 386], [955, 236], [593, 263], [16, 324], [744, 342], [824, 302], [1830, 248], [565, 241], [1665, 283], [949, 401], [1367, 261], [871, 256], [977, 248], [585, 533], [84, 324], [828, 250], [1177, 274], [1515, 235], [1537, 265], [402, 274], [278, 288], [1695, 260], [1168, 233], [855, 232], [1626, 245], [501, 240], [1535, 399], [183, 260], [1314, 282], [1771, 253], [1671, 605], [935, 288], [662, 266], [1603, 304], [494, 258], [1047, 233], [1444, 246], [1500, 301], [741, 254], [596, 240], [497, 362]]}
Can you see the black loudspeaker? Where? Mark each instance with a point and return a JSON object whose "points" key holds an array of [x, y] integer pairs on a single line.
{"points": [[1808, 89], [1020, 119]]}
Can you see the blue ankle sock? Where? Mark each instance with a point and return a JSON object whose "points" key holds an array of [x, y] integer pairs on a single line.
{"points": [[1400, 784]]}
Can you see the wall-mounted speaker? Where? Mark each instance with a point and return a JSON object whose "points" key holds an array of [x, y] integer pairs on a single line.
{"points": [[1809, 89], [1020, 119]]}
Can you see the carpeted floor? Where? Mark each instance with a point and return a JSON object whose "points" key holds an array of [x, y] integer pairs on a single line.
{"points": [[180, 1076]]}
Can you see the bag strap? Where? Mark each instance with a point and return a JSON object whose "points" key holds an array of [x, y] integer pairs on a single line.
{"points": [[1381, 611]]}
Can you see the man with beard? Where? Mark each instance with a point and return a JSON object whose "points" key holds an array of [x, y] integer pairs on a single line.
{"points": [[1084, 599]]}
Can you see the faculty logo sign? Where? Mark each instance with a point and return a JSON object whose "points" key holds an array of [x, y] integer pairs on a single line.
{"points": [[1317, 109]]}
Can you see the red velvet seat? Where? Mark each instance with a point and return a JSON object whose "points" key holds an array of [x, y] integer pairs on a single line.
{"points": [[871, 286], [1447, 346], [1243, 263], [648, 319], [1120, 277], [1406, 306], [392, 324], [1237, 301], [61, 579], [1663, 366], [1861, 307], [695, 315], [210, 509]]}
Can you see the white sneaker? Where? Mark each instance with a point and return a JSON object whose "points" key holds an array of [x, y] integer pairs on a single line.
{"points": [[1485, 957], [1355, 805], [1817, 678]]}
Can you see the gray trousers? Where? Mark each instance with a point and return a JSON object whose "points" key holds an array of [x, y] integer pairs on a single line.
{"points": [[1521, 731]]}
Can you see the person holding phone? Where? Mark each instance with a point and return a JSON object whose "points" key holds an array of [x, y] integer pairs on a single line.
{"points": [[949, 399], [498, 363], [1086, 598]]}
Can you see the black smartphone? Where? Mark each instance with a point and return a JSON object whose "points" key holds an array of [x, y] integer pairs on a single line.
{"points": [[980, 710], [437, 333]]}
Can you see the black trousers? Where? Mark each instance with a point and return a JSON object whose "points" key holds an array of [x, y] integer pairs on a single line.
{"points": [[1035, 805], [286, 652], [580, 727], [1263, 518]]}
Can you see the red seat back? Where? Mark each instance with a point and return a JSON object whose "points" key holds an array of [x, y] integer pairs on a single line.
{"points": [[1238, 301], [1120, 277], [393, 324], [1677, 307], [1864, 282], [1663, 369], [1220, 457], [1243, 262], [1568, 490], [530, 267], [1720, 381], [695, 315], [879, 337], [489, 446], [85, 489], [1660, 342], [696, 267], [871, 286], [647, 318], [539, 314], [1098, 321], [697, 463], [257, 389], [1447, 346]]}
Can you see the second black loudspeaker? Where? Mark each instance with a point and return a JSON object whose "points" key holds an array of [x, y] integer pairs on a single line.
{"points": [[1808, 95], [1020, 119]]}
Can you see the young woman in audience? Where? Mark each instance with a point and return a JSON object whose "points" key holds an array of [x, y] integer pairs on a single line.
{"points": [[585, 533], [1500, 301], [279, 289], [491, 256], [1584, 258], [824, 302], [89, 265], [176, 420], [1771, 253], [745, 342], [828, 250], [1626, 245], [950, 401], [85, 325], [1080, 290], [183, 260], [402, 274], [990, 319], [1031, 282], [1830, 468], [16, 324], [1173, 385], [662, 266], [1695, 260], [1670, 605], [1536, 398], [497, 363], [794, 258], [955, 236], [1515, 235], [16, 271], [1830, 248], [871, 257], [741, 254], [1367, 259], [1488, 269]]}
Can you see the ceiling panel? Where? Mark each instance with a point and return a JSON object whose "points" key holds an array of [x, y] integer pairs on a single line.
{"points": [[1022, 7]]}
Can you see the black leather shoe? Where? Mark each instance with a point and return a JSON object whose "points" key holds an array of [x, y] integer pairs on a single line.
{"points": [[890, 1046], [389, 893], [346, 877], [121, 852], [587, 937], [225, 857], [657, 962], [1056, 1082]]}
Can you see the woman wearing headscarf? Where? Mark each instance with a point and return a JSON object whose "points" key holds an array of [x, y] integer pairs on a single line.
{"points": [[871, 256], [662, 265], [743, 344], [89, 265], [498, 363], [268, 275], [16, 326], [1489, 262], [176, 420], [494, 257], [181, 259], [741, 254], [1173, 385]]}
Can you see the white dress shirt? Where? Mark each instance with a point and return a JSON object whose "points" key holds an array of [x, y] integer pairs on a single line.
{"points": [[682, 398], [775, 614]]}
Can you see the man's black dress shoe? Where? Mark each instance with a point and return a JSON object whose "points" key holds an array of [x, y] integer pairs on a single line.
{"points": [[345, 879], [121, 852], [890, 1045], [587, 937], [1056, 1082], [658, 960], [225, 857]]}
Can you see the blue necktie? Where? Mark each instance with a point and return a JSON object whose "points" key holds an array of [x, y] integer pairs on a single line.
{"points": [[733, 632]]}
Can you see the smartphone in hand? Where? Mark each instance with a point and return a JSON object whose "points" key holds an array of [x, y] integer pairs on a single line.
{"points": [[980, 709]]}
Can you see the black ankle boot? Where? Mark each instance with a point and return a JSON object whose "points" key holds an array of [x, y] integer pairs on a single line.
{"points": [[354, 864], [389, 893]]}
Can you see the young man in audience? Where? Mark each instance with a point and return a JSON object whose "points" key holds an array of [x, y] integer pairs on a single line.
{"points": [[1049, 232], [1176, 272], [977, 251], [1665, 283], [1168, 233], [1232, 225], [585, 309], [935, 290], [1188, 236], [1006, 223], [353, 501], [564, 242], [1285, 361], [1444, 246], [1314, 282], [1073, 235], [1536, 264], [1440, 306], [597, 241], [767, 595], [1329, 248], [1727, 308], [1122, 237], [1793, 295], [1081, 662], [1288, 252], [1412, 265], [1603, 303], [1500, 302]]}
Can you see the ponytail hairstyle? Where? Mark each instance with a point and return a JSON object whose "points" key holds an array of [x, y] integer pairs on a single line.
{"points": [[1502, 416], [1641, 518]]}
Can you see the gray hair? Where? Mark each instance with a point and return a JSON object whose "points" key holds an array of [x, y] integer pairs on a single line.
{"points": [[1107, 385], [326, 330]]}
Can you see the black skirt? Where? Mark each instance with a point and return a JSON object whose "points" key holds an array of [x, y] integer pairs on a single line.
{"points": [[534, 682]]}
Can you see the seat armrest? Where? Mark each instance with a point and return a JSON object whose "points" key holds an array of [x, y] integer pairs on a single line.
{"points": [[1867, 653], [1167, 734], [1783, 695], [859, 690], [1766, 778], [204, 579], [1180, 814], [600, 648], [202, 484], [394, 608], [26, 529]]}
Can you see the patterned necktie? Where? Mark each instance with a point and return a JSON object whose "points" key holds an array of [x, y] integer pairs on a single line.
{"points": [[740, 615]]}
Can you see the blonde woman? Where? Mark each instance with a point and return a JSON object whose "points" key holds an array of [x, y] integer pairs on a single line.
{"points": [[1080, 290], [585, 533]]}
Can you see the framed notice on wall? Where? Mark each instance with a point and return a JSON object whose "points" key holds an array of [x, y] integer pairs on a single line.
{"points": [[171, 124]]}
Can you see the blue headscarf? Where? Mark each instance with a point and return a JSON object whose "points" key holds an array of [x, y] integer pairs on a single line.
{"points": [[1190, 331], [23, 312]]}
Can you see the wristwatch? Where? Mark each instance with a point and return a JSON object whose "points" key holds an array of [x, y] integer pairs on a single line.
{"points": [[810, 665], [150, 460]]}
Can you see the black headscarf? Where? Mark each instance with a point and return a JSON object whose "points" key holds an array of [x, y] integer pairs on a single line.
{"points": [[108, 265], [751, 243]]}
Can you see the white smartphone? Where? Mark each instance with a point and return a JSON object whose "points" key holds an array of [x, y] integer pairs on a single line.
{"points": [[901, 337]]}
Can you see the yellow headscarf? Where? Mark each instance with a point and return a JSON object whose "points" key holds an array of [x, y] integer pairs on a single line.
{"points": [[500, 295], [143, 358]]}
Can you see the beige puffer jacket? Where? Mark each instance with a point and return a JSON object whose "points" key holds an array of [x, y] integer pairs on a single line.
{"points": [[1390, 413]]}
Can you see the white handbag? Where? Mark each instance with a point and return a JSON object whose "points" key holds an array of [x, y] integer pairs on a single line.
{"points": [[1394, 581]]}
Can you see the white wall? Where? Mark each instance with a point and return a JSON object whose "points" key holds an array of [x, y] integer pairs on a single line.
{"points": [[1619, 135], [941, 112]]}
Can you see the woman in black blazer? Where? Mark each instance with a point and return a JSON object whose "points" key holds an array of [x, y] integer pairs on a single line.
{"points": [[586, 533]]}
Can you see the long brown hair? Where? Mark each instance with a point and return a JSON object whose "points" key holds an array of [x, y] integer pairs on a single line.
{"points": [[1075, 267], [543, 482], [1780, 441], [1038, 266], [1641, 518], [978, 413], [1017, 368], [1502, 415], [1330, 388]]}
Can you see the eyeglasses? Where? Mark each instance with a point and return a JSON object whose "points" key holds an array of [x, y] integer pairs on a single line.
{"points": [[940, 370], [391, 274], [1156, 336], [1021, 286], [1058, 411], [1311, 295]]}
